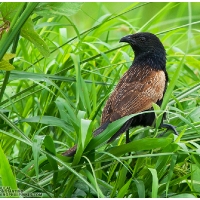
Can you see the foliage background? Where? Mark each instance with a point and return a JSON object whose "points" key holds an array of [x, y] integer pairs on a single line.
{"points": [[67, 61]]}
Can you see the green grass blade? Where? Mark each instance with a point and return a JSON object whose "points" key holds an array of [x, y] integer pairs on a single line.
{"points": [[140, 187], [7, 177], [154, 183], [123, 191]]}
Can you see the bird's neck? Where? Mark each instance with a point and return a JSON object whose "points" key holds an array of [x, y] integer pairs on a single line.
{"points": [[155, 60]]}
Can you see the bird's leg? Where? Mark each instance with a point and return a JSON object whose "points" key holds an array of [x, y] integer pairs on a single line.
{"points": [[168, 126], [127, 137], [124, 128]]}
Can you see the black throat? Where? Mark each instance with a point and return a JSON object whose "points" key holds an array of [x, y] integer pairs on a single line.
{"points": [[155, 60]]}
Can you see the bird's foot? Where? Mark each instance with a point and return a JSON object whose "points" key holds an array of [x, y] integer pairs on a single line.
{"points": [[168, 126]]}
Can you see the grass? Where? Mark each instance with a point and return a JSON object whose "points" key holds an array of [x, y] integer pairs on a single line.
{"points": [[50, 103]]}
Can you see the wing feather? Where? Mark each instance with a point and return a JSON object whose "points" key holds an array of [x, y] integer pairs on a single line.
{"points": [[135, 92]]}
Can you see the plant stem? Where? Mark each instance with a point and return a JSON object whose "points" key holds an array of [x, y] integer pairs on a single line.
{"points": [[4, 84]]}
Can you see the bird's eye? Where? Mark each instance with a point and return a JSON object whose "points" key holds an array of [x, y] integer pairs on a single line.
{"points": [[142, 39]]}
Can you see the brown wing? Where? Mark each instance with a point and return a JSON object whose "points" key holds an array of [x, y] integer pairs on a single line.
{"points": [[135, 92]]}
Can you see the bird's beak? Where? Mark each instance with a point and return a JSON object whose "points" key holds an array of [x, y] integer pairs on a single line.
{"points": [[127, 39]]}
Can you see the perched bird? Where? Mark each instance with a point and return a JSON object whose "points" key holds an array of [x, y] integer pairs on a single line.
{"points": [[142, 85]]}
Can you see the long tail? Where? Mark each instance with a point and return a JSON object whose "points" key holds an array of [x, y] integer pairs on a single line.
{"points": [[72, 150]]}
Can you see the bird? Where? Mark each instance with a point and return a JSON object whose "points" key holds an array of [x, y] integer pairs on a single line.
{"points": [[143, 84]]}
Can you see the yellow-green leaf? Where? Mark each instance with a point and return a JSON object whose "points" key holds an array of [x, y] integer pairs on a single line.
{"points": [[5, 65], [8, 56]]}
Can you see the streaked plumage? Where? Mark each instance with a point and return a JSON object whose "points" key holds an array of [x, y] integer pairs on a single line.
{"points": [[142, 85]]}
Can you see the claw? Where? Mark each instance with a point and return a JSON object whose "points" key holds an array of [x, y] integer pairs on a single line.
{"points": [[169, 126]]}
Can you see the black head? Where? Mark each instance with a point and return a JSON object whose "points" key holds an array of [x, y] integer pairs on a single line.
{"points": [[143, 42], [146, 45]]}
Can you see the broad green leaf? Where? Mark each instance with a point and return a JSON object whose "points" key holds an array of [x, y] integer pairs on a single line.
{"points": [[54, 9], [140, 188], [139, 145], [157, 108], [124, 189], [50, 147], [155, 183], [29, 33], [6, 174], [85, 125], [171, 172], [49, 120], [36, 76], [9, 9], [108, 132], [84, 138]]}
